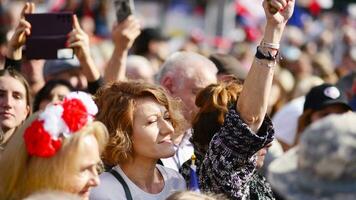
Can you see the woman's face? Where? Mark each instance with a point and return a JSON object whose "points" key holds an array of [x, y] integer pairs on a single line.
{"points": [[86, 176], [13, 103], [152, 130], [56, 95]]}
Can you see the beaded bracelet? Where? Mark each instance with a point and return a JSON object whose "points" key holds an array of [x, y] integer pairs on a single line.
{"points": [[270, 45]]}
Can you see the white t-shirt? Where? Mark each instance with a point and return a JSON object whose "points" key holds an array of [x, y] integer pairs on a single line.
{"points": [[285, 121], [111, 189]]}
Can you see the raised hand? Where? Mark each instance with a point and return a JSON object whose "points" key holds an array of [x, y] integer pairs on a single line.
{"points": [[22, 30], [79, 41], [123, 36], [125, 33], [278, 11]]}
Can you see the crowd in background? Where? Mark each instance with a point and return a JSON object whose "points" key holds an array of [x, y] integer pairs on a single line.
{"points": [[254, 125]]}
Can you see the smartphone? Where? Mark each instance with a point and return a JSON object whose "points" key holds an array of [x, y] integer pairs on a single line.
{"points": [[124, 8], [49, 36]]}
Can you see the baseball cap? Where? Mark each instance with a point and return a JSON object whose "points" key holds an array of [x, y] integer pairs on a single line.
{"points": [[52, 67], [323, 95]]}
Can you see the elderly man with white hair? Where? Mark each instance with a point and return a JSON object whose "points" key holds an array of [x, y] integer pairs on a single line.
{"points": [[184, 74]]}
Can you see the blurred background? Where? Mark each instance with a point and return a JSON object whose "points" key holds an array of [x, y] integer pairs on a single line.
{"points": [[319, 44], [211, 23]]}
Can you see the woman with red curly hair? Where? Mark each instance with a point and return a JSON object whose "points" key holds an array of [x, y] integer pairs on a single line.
{"points": [[142, 121]]}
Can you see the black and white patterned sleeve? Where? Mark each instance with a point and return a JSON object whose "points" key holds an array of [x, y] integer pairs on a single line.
{"points": [[230, 159]]}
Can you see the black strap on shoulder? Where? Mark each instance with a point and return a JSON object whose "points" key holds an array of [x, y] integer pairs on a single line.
{"points": [[123, 183]]}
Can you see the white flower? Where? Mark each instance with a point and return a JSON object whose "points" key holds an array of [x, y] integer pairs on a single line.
{"points": [[53, 122], [86, 99]]}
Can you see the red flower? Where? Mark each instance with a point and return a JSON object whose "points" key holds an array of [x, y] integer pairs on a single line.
{"points": [[39, 142], [74, 114]]}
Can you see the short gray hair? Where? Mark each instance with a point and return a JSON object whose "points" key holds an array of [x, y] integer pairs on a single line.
{"points": [[183, 61]]}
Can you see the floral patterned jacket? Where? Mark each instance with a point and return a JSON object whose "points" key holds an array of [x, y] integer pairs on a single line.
{"points": [[228, 166]]}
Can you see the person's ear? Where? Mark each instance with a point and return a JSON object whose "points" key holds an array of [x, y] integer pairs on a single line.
{"points": [[167, 83], [27, 112]]}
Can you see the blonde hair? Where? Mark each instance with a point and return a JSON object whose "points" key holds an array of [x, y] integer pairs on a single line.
{"points": [[188, 195], [116, 104], [22, 174]]}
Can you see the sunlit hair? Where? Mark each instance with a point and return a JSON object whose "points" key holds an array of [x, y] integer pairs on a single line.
{"points": [[116, 102], [21, 174], [18, 76], [213, 102], [188, 195]]}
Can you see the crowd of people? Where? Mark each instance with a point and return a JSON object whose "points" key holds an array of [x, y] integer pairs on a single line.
{"points": [[273, 122]]}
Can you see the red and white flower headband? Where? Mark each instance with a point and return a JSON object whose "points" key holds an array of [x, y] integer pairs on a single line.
{"points": [[43, 136]]}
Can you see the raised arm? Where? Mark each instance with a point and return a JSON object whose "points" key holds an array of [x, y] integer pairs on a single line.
{"points": [[123, 35], [253, 101], [79, 41]]}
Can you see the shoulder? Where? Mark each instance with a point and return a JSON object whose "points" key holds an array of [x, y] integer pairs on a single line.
{"points": [[109, 188]]}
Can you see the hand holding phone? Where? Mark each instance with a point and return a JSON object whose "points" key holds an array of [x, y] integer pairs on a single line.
{"points": [[22, 31], [124, 8], [79, 41]]}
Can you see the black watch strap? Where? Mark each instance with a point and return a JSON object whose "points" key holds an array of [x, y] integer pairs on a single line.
{"points": [[265, 56]]}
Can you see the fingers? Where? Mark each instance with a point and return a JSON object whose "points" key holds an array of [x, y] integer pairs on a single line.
{"points": [[24, 28], [24, 23], [74, 36], [24, 9], [131, 24], [274, 6], [284, 3], [77, 35], [134, 24], [76, 24], [32, 8], [28, 9], [291, 3], [128, 22], [76, 44]]}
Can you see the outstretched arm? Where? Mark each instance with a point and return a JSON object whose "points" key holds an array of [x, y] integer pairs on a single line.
{"points": [[253, 101], [79, 41], [123, 35]]}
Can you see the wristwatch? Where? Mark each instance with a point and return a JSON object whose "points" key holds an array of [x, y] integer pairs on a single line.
{"points": [[260, 54]]}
